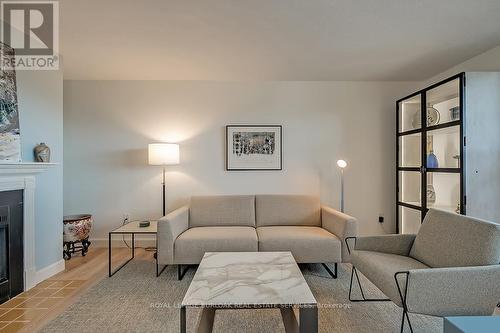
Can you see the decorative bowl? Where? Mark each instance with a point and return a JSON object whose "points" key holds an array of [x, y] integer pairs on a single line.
{"points": [[433, 118]]}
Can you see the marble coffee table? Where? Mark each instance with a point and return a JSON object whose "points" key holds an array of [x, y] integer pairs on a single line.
{"points": [[251, 280]]}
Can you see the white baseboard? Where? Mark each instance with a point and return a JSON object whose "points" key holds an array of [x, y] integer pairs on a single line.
{"points": [[49, 271], [117, 241]]}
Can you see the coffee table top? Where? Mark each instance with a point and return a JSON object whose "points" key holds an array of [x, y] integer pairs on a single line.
{"points": [[133, 228], [239, 279]]}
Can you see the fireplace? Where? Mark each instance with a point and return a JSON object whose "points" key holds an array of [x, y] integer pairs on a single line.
{"points": [[11, 244], [20, 178]]}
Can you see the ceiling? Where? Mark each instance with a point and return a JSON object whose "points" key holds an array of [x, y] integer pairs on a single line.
{"points": [[254, 40]]}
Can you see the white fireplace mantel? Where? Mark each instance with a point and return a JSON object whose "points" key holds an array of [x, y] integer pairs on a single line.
{"points": [[20, 168], [22, 176]]}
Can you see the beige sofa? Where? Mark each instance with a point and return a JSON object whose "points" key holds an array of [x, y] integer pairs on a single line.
{"points": [[240, 223]]}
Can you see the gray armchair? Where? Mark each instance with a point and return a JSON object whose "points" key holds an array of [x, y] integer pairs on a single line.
{"points": [[450, 268]]}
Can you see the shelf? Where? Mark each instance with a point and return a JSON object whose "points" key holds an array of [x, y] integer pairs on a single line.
{"points": [[444, 170], [444, 126], [416, 206], [7, 168], [414, 169], [410, 132], [413, 205], [436, 170], [448, 208]]}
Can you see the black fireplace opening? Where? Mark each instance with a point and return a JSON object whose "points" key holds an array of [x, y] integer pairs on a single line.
{"points": [[11, 244]]}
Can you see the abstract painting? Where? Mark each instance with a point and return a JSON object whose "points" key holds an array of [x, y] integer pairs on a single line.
{"points": [[10, 142], [253, 147]]}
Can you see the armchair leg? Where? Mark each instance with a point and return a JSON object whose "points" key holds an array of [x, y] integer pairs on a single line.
{"points": [[402, 322], [180, 272], [403, 299], [405, 315], [158, 270], [354, 272], [333, 275]]}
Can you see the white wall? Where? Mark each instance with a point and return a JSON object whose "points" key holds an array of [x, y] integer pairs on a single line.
{"points": [[108, 125], [488, 61], [40, 97]]}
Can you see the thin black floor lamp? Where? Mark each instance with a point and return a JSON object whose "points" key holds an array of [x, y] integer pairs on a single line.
{"points": [[163, 154], [341, 164]]}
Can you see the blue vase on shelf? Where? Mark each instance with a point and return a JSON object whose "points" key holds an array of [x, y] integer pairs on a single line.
{"points": [[432, 161]]}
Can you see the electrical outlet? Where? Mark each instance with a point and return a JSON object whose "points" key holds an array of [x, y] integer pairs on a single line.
{"points": [[126, 218], [381, 219]]}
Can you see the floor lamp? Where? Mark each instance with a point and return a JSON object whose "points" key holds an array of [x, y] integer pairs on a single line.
{"points": [[341, 164], [163, 154]]}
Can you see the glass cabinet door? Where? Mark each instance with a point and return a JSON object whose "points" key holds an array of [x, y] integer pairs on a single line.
{"points": [[443, 103], [410, 131], [443, 147], [443, 191], [410, 185], [430, 148], [410, 150], [410, 114], [409, 220]]}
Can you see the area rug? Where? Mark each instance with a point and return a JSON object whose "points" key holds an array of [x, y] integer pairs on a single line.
{"points": [[135, 300]]}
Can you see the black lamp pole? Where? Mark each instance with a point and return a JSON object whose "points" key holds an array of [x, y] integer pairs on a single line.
{"points": [[163, 185]]}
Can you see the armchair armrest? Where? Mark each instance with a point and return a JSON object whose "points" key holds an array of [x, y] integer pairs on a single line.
{"points": [[341, 225], [454, 291], [169, 228], [394, 244]]}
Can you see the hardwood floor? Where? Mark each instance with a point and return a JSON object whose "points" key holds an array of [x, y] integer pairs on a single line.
{"points": [[31, 310]]}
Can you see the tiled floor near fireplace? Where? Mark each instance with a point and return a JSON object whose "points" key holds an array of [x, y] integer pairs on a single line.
{"points": [[31, 310], [32, 305]]}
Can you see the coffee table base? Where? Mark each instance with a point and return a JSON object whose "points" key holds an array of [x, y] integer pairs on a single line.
{"points": [[308, 319]]}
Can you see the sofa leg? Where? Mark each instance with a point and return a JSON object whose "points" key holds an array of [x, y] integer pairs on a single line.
{"points": [[333, 275], [180, 272], [354, 273]]}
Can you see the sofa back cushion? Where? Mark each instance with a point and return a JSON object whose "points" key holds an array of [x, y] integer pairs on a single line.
{"points": [[228, 210], [447, 239], [287, 210]]}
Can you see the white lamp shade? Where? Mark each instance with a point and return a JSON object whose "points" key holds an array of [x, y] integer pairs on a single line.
{"points": [[341, 164], [163, 153]]}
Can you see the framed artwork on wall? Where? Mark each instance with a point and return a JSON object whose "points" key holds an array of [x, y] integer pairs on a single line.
{"points": [[253, 147], [10, 136]]}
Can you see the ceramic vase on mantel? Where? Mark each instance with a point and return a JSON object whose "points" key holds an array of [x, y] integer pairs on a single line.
{"points": [[42, 153]]}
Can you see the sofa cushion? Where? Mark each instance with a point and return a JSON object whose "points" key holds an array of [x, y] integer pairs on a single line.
{"points": [[192, 244], [380, 268], [451, 240], [307, 244], [287, 210], [229, 210]]}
